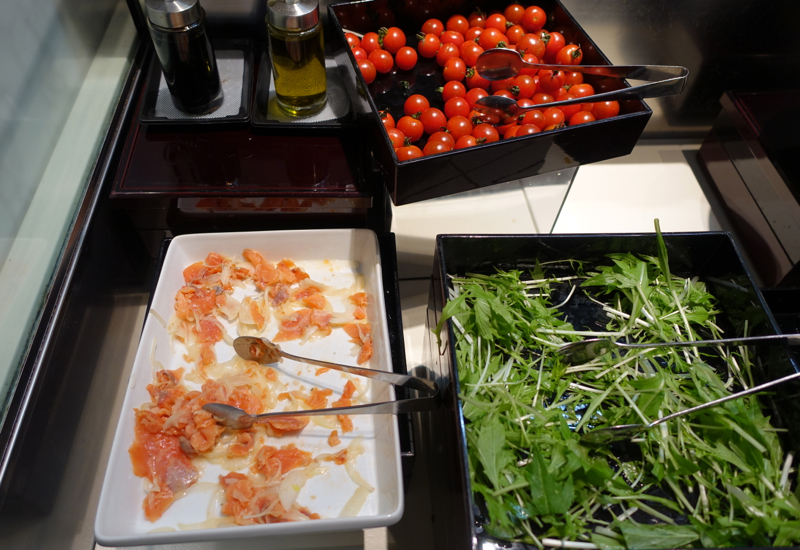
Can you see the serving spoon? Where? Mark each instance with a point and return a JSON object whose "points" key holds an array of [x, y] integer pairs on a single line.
{"points": [[501, 63], [576, 353], [265, 352], [621, 432]]}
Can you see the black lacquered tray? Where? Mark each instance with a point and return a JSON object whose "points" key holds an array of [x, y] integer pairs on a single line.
{"points": [[235, 64], [713, 257]]}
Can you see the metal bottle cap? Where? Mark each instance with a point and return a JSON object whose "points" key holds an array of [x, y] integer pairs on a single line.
{"points": [[293, 15], [173, 14]]}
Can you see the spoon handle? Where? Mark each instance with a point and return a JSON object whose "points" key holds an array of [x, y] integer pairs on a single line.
{"points": [[400, 380], [791, 339], [635, 72], [416, 404]]}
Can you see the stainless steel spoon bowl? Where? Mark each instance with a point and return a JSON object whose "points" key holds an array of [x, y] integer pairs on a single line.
{"points": [[265, 352], [584, 351]]}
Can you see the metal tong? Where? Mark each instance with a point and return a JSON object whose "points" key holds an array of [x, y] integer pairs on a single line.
{"points": [[264, 352], [500, 63]]}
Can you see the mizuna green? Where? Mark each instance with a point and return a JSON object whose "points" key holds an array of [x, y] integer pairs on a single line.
{"points": [[716, 478]]}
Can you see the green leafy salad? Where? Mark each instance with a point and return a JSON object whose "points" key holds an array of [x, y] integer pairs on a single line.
{"points": [[715, 478]]}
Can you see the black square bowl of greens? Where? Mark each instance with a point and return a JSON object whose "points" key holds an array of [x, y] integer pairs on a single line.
{"points": [[508, 466]]}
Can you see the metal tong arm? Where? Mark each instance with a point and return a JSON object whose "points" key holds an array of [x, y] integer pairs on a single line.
{"points": [[400, 380], [791, 339], [416, 404], [737, 395]]}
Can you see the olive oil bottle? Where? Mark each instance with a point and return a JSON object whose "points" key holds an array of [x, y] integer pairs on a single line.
{"points": [[297, 53]]}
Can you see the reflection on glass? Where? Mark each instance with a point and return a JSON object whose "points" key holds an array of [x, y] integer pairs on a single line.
{"points": [[61, 79]]}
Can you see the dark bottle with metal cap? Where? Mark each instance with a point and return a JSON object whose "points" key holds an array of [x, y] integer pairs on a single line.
{"points": [[297, 53], [185, 53]]}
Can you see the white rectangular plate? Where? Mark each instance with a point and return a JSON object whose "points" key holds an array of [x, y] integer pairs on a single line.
{"points": [[332, 257]]}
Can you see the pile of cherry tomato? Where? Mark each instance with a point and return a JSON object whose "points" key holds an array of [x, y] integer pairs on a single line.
{"points": [[456, 45]]}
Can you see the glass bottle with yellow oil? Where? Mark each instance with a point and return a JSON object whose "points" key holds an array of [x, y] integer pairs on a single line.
{"points": [[296, 49]]}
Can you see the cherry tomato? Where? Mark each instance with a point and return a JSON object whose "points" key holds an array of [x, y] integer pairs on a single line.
{"points": [[511, 131], [455, 69], [553, 115], [408, 153], [472, 34], [411, 127], [544, 35], [540, 98], [432, 120], [370, 42], [453, 89], [466, 141], [474, 95], [526, 86], [352, 40], [452, 37], [406, 58], [581, 90], [553, 127], [571, 78], [359, 53], [477, 19], [514, 33], [605, 109], [445, 53], [393, 39], [534, 117], [581, 117], [527, 129], [533, 18], [490, 38], [505, 93], [502, 84], [434, 147], [367, 70], [531, 44], [496, 21], [474, 80], [433, 26], [387, 119], [514, 13], [569, 55], [444, 137], [469, 52], [456, 106], [397, 137], [459, 126], [457, 23], [485, 132], [428, 45], [550, 81], [569, 110], [415, 104], [525, 102], [554, 46], [382, 60]]}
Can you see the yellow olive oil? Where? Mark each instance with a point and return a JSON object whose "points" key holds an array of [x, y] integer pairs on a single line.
{"points": [[298, 69]]}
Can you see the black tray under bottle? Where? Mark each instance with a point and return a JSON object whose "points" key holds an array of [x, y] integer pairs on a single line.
{"points": [[147, 111], [262, 122]]}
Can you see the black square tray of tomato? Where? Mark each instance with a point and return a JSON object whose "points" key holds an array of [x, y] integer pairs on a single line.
{"points": [[510, 466], [493, 159]]}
